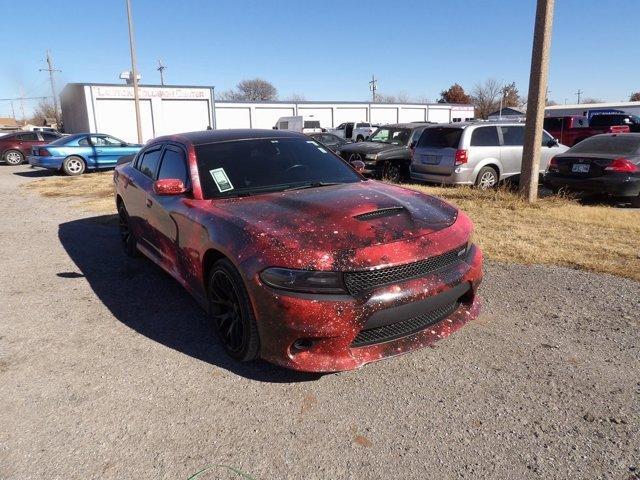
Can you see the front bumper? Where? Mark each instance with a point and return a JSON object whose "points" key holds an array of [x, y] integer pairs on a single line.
{"points": [[329, 325], [618, 184], [50, 162]]}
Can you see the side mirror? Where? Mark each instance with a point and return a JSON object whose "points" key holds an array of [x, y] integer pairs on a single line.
{"points": [[358, 166], [169, 186], [124, 144], [552, 143], [412, 145]]}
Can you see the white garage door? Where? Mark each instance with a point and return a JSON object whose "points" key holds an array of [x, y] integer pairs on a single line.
{"points": [[184, 116], [346, 114], [267, 117], [412, 115], [117, 117], [323, 115], [439, 115], [233, 117], [384, 115]]}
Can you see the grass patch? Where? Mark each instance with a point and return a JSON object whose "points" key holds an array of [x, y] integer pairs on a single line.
{"points": [[556, 230]]}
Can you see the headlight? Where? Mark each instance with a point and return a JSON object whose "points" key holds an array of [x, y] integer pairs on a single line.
{"points": [[308, 281], [371, 156]]}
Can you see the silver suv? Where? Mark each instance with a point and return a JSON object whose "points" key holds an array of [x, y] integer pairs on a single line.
{"points": [[479, 154]]}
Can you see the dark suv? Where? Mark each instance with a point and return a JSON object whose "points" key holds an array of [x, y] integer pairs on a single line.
{"points": [[15, 147], [611, 119], [386, 153]]}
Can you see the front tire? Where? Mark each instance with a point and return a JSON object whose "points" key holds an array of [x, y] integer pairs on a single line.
{"points": [[394, 172], [487, 178], [13, 157], [231, 311], [73, 166], [360, 138]]}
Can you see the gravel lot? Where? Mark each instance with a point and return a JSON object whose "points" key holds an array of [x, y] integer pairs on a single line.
{"points": [[109, 370]]}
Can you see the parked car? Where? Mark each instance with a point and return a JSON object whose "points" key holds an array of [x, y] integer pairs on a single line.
{"points": [[386, 153], [73, 154], [16, 146], [480, 154], [605, 164], [270, 233], [572, 129], [616, 119], [329, 140], [357, 131], [299, 123]]}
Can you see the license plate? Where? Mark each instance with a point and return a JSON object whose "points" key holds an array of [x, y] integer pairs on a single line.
{"points": [[430, 159], [580, 168]]}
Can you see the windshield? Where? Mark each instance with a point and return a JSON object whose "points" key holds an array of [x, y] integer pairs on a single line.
{"points": [[393, 136], [267, 165], [608, 144]]}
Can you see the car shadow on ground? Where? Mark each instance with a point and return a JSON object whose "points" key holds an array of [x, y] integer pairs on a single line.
{"points": [[143, 297], [36, 173]]}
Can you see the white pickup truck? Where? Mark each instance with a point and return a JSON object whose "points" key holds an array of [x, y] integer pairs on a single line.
{"points": [[356, 131]]}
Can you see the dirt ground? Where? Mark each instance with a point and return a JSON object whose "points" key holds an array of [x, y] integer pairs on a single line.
{"points": [[108, 369]]}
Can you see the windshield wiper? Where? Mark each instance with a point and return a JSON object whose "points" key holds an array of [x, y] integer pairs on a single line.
{"points": [[313, 185]]}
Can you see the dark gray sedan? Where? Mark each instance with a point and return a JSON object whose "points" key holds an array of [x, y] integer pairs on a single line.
{"points": [[603, 164]]}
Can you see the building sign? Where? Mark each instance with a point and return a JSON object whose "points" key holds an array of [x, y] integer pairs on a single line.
{"points": [[149, 92]]}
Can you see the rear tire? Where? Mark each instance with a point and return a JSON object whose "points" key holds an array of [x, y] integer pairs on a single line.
{"points": [[129, 241], [13, 157], [231, 310], [73, 166], [487, 178], [395, 172]]}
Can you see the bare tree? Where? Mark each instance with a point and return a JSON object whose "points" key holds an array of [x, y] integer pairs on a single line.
{"points": [[635, 97], [511, 96], [591, 100], [43, 111], [296, 97], [382, 98], [486, 97], [255, 89]]}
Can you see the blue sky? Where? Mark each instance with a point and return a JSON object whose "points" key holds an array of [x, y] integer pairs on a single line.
{"points": [[325, 50]]}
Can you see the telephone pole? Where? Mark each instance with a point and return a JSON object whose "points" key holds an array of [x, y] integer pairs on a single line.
{"points": [[373, 88], [161, 68], [51, 71], [22, 104], [134, 72], [536, 100], [578, 93]]}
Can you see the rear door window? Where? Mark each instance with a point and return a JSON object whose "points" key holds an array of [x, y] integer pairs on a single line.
{"points": [[440, 137], [49, 137], [485, 137], [148, 163], [512, 136], [28, 137]]}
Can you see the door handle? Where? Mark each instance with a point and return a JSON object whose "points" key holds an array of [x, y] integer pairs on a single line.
{"points": [[149, 202]]}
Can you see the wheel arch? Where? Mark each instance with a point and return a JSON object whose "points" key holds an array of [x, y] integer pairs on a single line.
{"points": [[488, 162]]}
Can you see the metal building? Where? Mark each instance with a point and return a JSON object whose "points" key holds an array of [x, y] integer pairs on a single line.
{"points": [[109, 108]]}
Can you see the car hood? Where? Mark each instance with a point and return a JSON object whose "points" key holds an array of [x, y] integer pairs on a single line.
{"points": [[319, 227], [370, 147]]}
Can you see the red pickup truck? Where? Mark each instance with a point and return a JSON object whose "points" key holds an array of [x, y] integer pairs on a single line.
{"points": [[572, 129]]}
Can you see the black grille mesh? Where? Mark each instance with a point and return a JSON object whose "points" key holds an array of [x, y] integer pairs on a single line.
{"points": [[358, 282], [381, 212], [405, 327]]}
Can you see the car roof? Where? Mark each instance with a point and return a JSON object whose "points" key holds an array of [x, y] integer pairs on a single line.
{"points": [[214, 136], [407, 125]]}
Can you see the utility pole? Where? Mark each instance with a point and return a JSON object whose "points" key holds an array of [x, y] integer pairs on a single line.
{"points": [[373, 87], [536, 100], [578, 93], [51, 71], [22, 104], [134, 72], [161, 68], [13, 110]]}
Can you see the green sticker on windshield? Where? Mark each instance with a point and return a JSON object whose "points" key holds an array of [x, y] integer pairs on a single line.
{"points": [[222, 181]]}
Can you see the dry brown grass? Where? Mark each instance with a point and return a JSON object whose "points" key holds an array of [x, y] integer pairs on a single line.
{"points": [[555, 230]]}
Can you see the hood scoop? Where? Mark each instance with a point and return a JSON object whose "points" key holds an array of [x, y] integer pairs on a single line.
{"points": [[382, 212]]}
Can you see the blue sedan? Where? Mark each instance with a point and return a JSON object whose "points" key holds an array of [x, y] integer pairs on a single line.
{"points": [[73, 154]]}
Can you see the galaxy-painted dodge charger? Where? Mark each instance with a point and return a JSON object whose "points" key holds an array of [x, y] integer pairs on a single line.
{"points": [[297, 258]]}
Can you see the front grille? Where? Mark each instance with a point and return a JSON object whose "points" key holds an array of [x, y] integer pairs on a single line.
{"points": [[405, 327], [358, 282], [352, 156]]}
